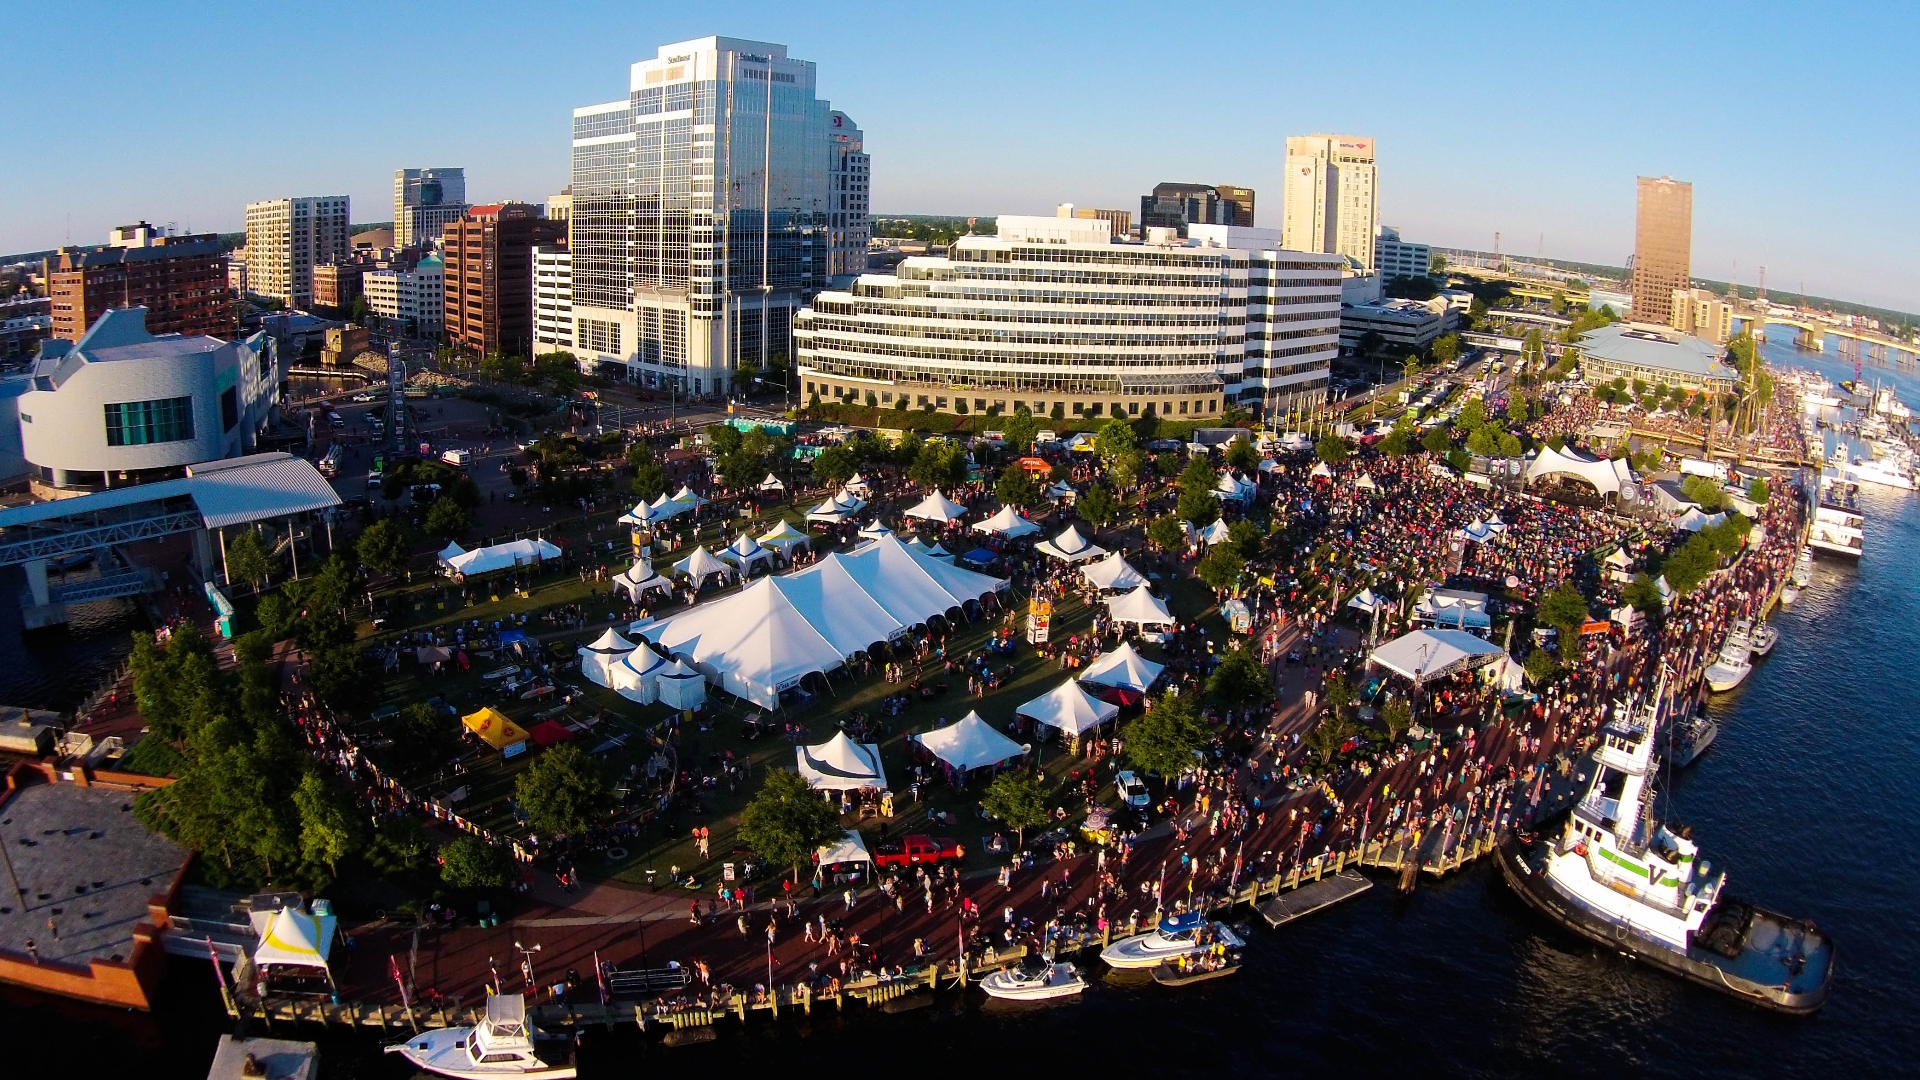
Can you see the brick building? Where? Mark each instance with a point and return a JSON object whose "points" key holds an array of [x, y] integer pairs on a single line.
{"points": [[180, 280], [489, 276]]}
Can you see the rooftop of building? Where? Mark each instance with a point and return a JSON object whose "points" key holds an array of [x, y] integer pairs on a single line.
{"points": [[1395, 308], [161, 247], [236, 491], [1657, 348]]}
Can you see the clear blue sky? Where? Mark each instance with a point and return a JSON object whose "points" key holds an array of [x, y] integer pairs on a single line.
{"points": [[1798, 125]]}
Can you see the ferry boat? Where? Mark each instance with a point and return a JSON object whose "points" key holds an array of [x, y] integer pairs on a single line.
{"points": [[1622, 878], [1035, 979], [1837, 521], [504, 1044], [1176, 936], [1735, 661]]}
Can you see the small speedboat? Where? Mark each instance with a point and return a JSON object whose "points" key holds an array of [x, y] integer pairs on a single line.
{"points": [[1035, 979], [1189, 969], [1733, 665], [1789, 594], [1689, 738], [503, 1045], [1763, 638], [1176, 936]]}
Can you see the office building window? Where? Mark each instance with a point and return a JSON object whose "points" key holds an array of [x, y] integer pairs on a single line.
{"points": [[139, 423], [229, 408]]}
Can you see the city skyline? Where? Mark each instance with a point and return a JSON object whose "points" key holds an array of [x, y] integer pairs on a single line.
{"points": [[1567, 147]]}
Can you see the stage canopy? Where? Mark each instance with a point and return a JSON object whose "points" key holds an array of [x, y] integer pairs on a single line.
{"points": [[1068, 708], [502, 556], [493, 727], [1425, 655], [937, 507], [969, 744], [1007, 523], [1123, 667], [840, 764], [1113, 572], [1607, 475], [597, 660], [1139, 606], [1070, 546]]}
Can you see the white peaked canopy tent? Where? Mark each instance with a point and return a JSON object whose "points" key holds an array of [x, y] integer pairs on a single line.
{"points": [[937, 507], [874, 530], [641, 514], [1619, 558], [842, 506], [1215, 533], [1269, 465], [850, 848], [770, 635], [858, 485], [293, 938], [1693, 520], [502, 556], [772, 483], [1068, 708], [687, 498], [1321, 469], [679, 686], [1364, 600], [1113, 572], [451, 552], [1061, 490], [636, 676], [701, 565], [784, 537], [969, 744], [1425, 655], [840, 764], [745, 551], [1070, 546], [1139, 606], [1606, 475], [1007, 523], [1365, 483], [938, 552], [1478, 531], [598, 659], [1232, 486], [1123, 667], [639, 579]]}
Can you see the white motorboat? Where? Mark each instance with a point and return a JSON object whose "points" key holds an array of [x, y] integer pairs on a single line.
{"points": [[1177, 935], [1838, 523], [1802, 573], [1036, 979], [1763, 639], [1735, 662], [1789, 593], [504, 1044]]}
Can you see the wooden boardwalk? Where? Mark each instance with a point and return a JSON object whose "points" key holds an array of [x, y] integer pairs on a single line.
{"points": [[1308, 899]]}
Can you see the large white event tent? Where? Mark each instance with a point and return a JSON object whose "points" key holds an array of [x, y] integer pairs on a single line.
{"points": [[1113, 572], [842, 506], [784, 537], [745, 551], [1694, 520], [1068, 708], [292, 938], [770, 635], [1123, 667], [850, 848], [1139, 606], [937, 507], [1070, 546], [1425, 655], [451, 552], [598, 659], [840, 764], [1607, 475], [1007, 523], [502, 556], [701, 565], [636, 677], [968, 745], [639, 579], [1215, 533]]}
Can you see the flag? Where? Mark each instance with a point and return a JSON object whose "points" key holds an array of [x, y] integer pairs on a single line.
{"points": [[399, 980], [217, 973], [600, 976]]}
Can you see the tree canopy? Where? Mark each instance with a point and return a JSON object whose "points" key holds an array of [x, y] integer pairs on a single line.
{"points": [[1241, 679], [1164, 738], [562, 791], [1565, 608], [787, 820], [1017, 799]]}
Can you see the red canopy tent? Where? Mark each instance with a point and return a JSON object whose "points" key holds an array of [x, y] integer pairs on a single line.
{"points": [[546, 733]]}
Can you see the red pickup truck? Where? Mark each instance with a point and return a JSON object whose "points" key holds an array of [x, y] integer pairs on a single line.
{"points": [[916, 849]]}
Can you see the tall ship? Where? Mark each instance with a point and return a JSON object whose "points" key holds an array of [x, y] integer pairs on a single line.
{"points": [[1621, 877], [1838, 524]]}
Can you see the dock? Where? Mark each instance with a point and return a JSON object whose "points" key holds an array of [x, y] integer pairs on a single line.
{"points": [[1313, 897]]}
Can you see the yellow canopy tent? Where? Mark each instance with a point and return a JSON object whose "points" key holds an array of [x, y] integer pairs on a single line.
{"points": [[499, 732]]}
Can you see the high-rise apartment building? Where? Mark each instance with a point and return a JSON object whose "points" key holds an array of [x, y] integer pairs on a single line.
{"points": [[1185, 327], [287, 238], [1662, 247], [425, 202], [1701, 313], [553, 298], [181, 281], [1119, 222], [410, 296], [848, 229], [1330, 195], [1175, 206], [703, 203], [489, 259]]}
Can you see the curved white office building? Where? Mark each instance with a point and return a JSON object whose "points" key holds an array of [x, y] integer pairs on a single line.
{"points": [[121, 406], [1051, 314]]}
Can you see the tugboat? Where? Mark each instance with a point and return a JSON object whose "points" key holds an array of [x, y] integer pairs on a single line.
{"points": [[1176, 936], [1622, 878], [1038, 978], [502, 1046]]}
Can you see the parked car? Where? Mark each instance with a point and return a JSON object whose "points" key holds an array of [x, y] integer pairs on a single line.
{"points": [[1132, 792], [917, 849]]}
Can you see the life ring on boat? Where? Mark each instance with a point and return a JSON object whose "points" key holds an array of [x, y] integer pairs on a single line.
{"points": [[1580, 849]]}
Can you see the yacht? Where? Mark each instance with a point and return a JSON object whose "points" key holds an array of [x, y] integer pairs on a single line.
{"points": [[1886, 404], [1763, 638], [1802, 573], [1176, 936], [1886, 472], [1735, 661], [504, 1044], [1036, 979], [1620, 876], [1837, 521]]}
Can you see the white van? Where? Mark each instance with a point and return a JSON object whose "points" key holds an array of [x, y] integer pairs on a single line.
{"points": [[457, 457]]}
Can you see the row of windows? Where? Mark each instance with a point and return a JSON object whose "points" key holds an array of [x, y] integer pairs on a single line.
{"points": [[1037, 408], [1119, 256], [1013, 337], [1206, 358], [143, 423], [1043, 275]]}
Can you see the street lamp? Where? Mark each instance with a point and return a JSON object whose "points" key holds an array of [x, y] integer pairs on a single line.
{"points": [[526, 963]]}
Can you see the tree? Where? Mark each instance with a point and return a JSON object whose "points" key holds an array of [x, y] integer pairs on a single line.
{"points": [[1241, 679], [1020, 430], [788, 820], [471, 863], [1643, 595], [1446, 349], [1399, 441], [1220, 568], [383, 547], [247, 559], [938, 464], [1437, 441], [1757, 492], [1126, 470], [1396, 716], [1241, 455], [1517, 411], [419, 739], [1332, 449], [835, 465], [1099, 506], [1115, 437], [275, 614], [447, 519], [1164, 738], [1165, 532], [1328, 736], [724, 438], [1565, 608], [1017, 799], [1016, 488], [1244, 538], [1338, 691], [562, 792], [1473, 416], [326, 835], [1437, 264], [1541, 667]]}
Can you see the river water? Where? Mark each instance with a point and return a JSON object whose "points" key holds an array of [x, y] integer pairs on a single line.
{"points": [[1803, 799]]}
